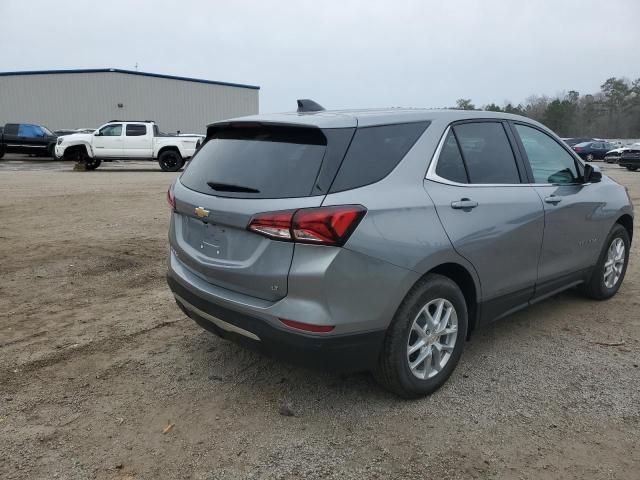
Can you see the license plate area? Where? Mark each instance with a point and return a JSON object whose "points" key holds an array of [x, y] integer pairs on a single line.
{"points": [[209, 239]]}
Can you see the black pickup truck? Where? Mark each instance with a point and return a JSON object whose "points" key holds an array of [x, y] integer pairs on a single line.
{"points": [[630, 159], [27, 138]]}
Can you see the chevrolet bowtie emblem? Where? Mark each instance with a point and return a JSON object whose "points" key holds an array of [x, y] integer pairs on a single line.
{"points": [[201, 212]]}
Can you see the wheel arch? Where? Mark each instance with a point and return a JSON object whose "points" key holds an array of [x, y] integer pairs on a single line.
{"points": [[467, 283], [167, 148], [75, 147], [626, 221]]}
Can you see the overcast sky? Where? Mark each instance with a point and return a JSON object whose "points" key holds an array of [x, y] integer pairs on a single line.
{"points": [[342, 53]]}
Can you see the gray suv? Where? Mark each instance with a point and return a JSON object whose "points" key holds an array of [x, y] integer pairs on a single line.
{"points": [[379, 239]]}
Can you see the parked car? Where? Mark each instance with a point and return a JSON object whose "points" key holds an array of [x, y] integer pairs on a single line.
{"points": [[27, 138], [127, 140], [612, 156], [67, 131], [574, 141], [590, 151], [63, 131], [630, 158], [320, 239]]}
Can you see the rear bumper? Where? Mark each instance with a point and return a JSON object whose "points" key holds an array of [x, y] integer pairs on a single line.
{"points": [[343, 353]]}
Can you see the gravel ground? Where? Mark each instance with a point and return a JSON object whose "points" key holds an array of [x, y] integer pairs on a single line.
{"points": [[101, 376]]}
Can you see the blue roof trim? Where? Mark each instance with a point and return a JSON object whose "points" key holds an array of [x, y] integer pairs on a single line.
{"points": [[130, 72]]}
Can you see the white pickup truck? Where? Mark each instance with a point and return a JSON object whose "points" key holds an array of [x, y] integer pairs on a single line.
{"points": [[128, 140]]}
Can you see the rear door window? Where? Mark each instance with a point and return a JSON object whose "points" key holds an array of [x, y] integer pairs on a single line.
{"points": [[374, 152], [11, 129], [257, 162], [136, 129], [487, 153]]}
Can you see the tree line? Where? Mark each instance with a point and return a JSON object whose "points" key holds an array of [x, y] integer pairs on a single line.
{"points": [[613, 112]]}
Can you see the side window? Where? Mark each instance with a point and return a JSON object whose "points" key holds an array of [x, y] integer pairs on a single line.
{"points": [[549, 162], [450, 164], [487, 153], [136, 129], [374, 152], [29, 131], [11, 129], [113, 130]]}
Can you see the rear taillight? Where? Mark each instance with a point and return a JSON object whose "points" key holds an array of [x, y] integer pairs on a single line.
{"points": [[322, 225], [274, 225], [577, 149], [171, 198]]}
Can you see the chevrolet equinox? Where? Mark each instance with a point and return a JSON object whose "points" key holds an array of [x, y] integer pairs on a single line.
{"points": [[379, 239]]}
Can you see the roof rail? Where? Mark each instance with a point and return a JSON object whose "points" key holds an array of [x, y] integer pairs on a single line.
{"points": [[306, 105], [142, 121]]}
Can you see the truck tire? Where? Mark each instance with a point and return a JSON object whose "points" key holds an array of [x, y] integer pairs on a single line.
{"points": [[91, 163], [170, 161], [632, 169], [51, 150]]}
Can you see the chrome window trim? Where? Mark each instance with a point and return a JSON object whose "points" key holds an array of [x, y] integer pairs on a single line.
{"points": [[433, 176]]}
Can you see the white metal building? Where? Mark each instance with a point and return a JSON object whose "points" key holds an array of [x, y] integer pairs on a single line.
{"points": [[69, 99]]}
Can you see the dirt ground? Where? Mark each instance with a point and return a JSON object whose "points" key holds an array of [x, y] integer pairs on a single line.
{"points": [[102, 376]]}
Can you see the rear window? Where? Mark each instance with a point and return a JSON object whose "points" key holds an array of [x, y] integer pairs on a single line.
{"points": [[257, 162], [374, 152]]}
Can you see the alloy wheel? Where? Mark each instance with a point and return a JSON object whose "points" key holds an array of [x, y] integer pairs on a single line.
{"points": [[432, 338], [614, 264]]}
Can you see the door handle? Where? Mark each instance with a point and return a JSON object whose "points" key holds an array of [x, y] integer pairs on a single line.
{"points": [[553, 199], [464, 204]]}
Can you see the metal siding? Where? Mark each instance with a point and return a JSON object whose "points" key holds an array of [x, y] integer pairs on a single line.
{"points": [[77, 100]]}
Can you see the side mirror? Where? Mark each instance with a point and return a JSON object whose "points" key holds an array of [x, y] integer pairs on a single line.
{"points": [[592, 173], [97, 133]]}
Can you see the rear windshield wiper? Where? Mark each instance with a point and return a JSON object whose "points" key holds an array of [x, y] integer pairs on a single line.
{"points": [[227, 187]]}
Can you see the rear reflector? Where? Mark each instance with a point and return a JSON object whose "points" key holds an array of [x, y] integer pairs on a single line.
{"points": [[307, 327], [322, 225]]}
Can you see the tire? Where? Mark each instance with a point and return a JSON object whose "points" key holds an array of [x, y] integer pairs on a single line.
{"points": [[170, 161], [77, 155], [590, 157], [51, 151], [597, 286], [393, 371], [632, 169], [91, 163]]}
